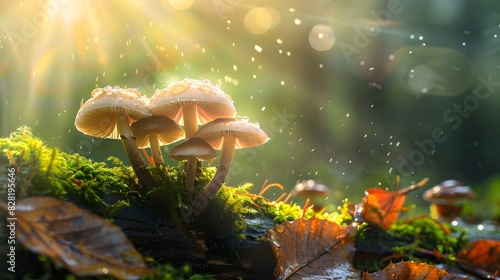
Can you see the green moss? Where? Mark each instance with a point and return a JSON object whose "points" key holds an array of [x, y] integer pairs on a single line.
{"points": [[228, 211], [421, 239], [41, 170], [282, 212], [424, 235], [169, 272]]}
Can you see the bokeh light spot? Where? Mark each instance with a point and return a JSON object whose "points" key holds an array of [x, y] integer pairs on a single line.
{"points": [[181, 4], [321, 38], [260, 20]]}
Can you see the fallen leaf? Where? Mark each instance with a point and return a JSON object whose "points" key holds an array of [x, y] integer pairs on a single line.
{"points": [[481, 257], [76, 239], [408, 270], [313, 248], [382, 207]]}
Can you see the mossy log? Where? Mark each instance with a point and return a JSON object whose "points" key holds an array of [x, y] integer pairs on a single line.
{"points": [[205, 247]]}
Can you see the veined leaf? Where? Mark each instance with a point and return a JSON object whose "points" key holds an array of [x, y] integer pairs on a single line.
{"points": [[313, 248], [76, 239], [482, 257]]}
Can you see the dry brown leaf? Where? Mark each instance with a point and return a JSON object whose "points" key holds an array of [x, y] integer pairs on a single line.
{"points": [[482, 258], [313, 248], [408, 271], [76, 239]]}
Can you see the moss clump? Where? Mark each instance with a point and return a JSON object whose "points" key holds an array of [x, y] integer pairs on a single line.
{"points": [[228, 211], [41, 170], [171, 182], [425, 236], [421, 239], [282, 212]]}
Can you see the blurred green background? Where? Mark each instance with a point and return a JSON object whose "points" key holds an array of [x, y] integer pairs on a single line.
{"points": [[350, 92]]}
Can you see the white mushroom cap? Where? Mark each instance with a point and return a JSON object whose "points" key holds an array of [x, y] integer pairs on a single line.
{"points": [[191, 103], [108, 113], [246, 134], [166, 129], [98, 116], [191, 150], [227, 134], [193, 147]]}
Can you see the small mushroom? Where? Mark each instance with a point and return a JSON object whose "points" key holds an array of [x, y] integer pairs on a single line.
{"points": [[108, 113], [193, 148], [155, 131], [446, 198], [227, 134], [311, 190]]}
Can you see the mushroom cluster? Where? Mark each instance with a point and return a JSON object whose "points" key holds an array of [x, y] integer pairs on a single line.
{"points": [[171, 114]]}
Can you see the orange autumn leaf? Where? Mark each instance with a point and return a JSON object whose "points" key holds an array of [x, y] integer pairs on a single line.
{"points": [[382, 207], [482, 258], [409, 270]]}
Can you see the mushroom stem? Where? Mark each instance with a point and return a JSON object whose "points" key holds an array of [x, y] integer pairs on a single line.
{"points": [[132, 151], [155, 148], [190, 176], [215, 184], [190, 128], [190, 120]]}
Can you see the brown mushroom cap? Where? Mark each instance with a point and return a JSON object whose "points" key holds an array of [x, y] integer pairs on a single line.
{"points": [[166, 129], [309, 188], [193, 147], [191, 103], [450, 191], [99, 115]]}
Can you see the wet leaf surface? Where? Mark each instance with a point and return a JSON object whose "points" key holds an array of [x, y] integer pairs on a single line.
{"points": [[313, 248], [76, 239], [409, 270], [382, 207], [482, 258]]}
